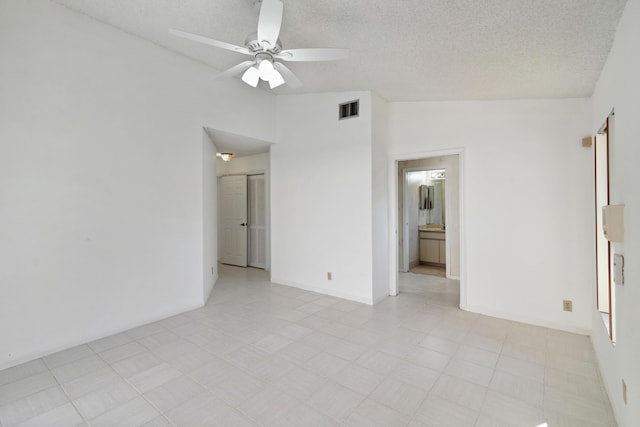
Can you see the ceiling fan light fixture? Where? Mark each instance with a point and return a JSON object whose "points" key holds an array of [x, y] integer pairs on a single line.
{"points": [[276, 79], [265, 46], [251, 76], [225, 156], [266, 70]]}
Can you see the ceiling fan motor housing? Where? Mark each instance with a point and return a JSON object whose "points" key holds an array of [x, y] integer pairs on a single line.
{"points": [[255, 46]]}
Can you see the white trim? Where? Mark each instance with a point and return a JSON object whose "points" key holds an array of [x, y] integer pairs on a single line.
{"points": [[394, 270], [528, 320], [377, 300], [214, 279], [330, 292], [405, 219], [74, 343]]}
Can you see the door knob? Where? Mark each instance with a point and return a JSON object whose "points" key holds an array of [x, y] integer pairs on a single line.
{"points": [[244, 224]]}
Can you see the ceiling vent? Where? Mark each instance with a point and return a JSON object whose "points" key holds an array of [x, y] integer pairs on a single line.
{"points": [[349, 109]]}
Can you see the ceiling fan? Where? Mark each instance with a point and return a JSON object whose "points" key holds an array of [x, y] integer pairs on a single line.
{"points": [[266, 49]]}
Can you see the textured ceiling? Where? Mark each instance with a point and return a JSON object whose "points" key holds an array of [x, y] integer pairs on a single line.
{"points": [[401, 49]]}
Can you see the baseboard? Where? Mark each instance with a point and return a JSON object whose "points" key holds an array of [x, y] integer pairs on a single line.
{"points": [[525, 319], [74, 343], [213, 285], [453, 277], [380, 299], [324, 291], [414, 263]]}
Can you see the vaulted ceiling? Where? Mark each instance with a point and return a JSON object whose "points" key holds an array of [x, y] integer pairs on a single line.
{"points": [[404, 50]]}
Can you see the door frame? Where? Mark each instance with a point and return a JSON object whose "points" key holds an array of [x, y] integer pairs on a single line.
{"points": [[394, 268]]}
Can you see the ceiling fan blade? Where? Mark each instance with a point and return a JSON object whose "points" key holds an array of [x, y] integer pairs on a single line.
{"points": [[210, 42], [321, 54], [289, 78], [269, 22], [236, 70]]}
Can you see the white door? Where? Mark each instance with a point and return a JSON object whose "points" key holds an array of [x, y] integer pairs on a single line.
{"points": [[257, 222], [234, 220]]}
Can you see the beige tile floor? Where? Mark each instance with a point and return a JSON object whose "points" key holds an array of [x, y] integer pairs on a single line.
{"points": [[264, 354], [428, 269]]}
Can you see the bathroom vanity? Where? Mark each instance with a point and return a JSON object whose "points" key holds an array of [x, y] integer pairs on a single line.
{"points": [[432, 245]]}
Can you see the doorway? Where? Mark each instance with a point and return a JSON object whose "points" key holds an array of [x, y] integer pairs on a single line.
{"points": [[243, 220], [451, 229], [605, 289], [423, 201]]}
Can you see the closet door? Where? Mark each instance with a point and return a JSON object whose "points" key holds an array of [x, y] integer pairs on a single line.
{"points": [[257, 221], [234, 220]]}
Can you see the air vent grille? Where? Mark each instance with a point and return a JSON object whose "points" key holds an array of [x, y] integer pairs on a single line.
{"points": [[349, 109]]}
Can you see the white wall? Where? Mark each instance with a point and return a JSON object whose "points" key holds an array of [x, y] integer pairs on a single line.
{"points": [[321, 196], [527, 197], [619, 88], [101, 176], [379, 197], [209, 215]]}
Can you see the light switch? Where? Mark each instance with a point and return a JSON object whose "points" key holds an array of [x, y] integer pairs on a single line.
{"points": [[618, 269]]}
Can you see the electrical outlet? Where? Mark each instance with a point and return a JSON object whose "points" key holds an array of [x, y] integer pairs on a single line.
{"points": [[567, 305], [624, 392], [329, 276]]}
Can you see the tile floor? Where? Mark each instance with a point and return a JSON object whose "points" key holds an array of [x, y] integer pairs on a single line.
{"points": [[429, 269], [264, 354]]}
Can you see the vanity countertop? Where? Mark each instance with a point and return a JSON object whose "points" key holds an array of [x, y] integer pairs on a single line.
{"points": [[432, 227]]}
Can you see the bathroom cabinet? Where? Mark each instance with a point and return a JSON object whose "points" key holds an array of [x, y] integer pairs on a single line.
{"points": [[433, 247]]}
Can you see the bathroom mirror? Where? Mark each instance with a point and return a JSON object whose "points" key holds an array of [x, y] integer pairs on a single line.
{"points": [[432, 198], [424, 197], [435, 212]]}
